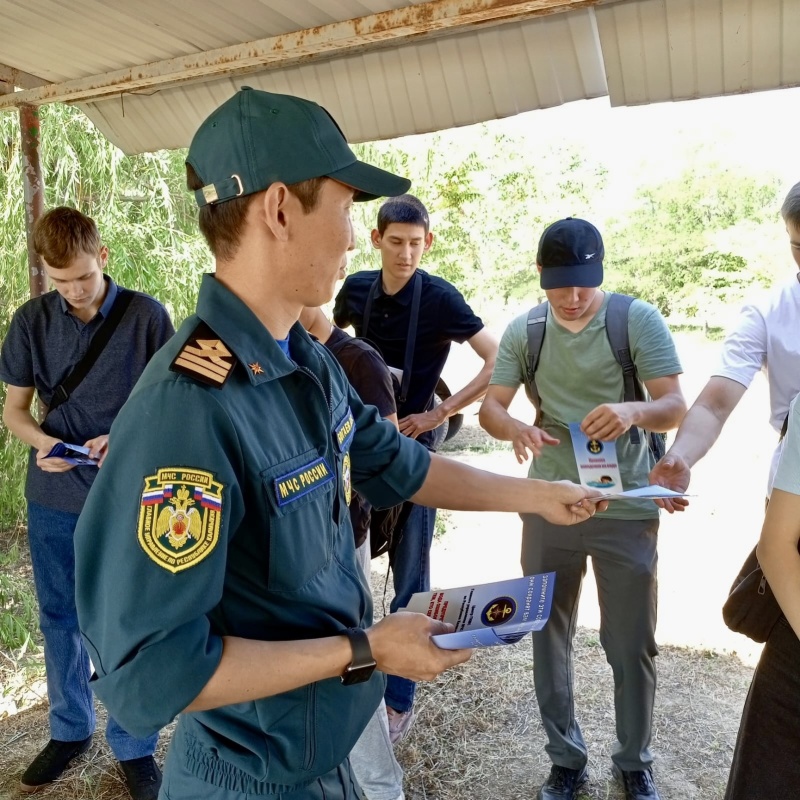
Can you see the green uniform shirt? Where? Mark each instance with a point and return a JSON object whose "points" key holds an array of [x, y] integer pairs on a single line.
{"points": [[222, 510], [578, 372]]}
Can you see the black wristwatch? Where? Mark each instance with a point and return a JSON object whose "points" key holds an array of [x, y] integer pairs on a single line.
{"points": [[362, 666]]}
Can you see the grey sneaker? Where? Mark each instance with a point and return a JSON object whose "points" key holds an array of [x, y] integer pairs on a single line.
{"points": [[400, 723]]}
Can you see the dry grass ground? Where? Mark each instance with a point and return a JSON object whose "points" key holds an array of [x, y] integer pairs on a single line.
{"points": [[478, 734]]}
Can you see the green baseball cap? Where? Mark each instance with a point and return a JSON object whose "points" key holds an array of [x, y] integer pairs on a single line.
{"points": [[258, 138]]}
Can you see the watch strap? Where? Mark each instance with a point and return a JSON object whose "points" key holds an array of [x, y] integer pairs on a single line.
{"points": [[363, 662]]}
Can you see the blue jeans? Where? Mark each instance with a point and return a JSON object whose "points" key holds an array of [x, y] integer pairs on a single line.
{"points": [[412, 573], [72, 718]]}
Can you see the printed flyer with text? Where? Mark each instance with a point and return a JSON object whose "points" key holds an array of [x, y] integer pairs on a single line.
{"points": [[491, 613]]}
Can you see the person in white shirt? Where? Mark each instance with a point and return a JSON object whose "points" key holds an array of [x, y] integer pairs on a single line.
{"points": [[764, 338], [764, 761]]}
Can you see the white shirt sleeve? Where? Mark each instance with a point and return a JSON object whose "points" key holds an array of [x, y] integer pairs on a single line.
{"points": [[744, 351], [787, 478]]}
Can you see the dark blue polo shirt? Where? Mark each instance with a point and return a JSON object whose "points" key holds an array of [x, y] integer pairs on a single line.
{"points": [[444, 317], [43, 344]]}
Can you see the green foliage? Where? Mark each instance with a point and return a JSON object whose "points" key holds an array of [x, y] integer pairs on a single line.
{"points": [[488, 200], [672, 249], [18, 610], [441, 524]]}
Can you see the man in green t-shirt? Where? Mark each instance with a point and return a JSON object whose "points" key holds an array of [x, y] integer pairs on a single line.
{"points": [[579, 381]]}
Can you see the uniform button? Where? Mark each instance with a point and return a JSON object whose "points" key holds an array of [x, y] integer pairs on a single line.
{"points": [[386, 316]]}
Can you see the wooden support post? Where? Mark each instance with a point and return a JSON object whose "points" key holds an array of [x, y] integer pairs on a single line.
{"points": [[33, 186]]}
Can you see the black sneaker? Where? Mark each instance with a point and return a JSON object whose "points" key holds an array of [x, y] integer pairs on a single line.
{"points": [[563, 783], [638, 783], [51, 762], [142, 777]]}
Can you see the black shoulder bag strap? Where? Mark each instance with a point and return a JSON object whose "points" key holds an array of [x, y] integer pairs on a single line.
{"points": [[96, 347], [411, 337]]}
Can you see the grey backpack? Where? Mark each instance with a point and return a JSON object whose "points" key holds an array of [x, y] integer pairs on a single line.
{"points": [[617, 332]]}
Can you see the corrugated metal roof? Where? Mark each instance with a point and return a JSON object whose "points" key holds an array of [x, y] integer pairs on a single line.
{"points": [[428, 86], [657, 50], [651, 50]]}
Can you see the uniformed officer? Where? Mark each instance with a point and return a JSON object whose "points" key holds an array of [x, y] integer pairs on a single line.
{"points": [[216, 572]]}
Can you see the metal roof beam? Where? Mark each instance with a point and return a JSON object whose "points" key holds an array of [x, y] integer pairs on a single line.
{"points": [[10, 77], [433, 18]]}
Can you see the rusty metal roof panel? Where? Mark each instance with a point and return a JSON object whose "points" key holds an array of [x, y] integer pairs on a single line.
{"points": [[430, 85], [660, 50], [636, 51]]}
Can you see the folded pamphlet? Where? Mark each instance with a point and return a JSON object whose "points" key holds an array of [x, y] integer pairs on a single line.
{"points": [[73, 454], [488, 614]]}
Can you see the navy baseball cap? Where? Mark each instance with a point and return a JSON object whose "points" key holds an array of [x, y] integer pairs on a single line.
{"points": [[571, 254], [258, 138]]}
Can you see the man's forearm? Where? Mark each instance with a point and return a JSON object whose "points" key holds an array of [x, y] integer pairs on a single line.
{"points": [[251, 669], [451, 484], [699, 430], [660, 415], [704, 421], [22, 424], [497, 422], [473, 391]]}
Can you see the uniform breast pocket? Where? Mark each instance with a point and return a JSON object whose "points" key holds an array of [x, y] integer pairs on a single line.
{"points": [[300, 491]]}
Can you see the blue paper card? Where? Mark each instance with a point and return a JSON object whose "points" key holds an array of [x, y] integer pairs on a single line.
{"points": [[73, 454]]}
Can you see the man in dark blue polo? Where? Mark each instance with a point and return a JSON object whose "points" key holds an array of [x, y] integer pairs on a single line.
{"points": [[48, 337], [413, 318]]}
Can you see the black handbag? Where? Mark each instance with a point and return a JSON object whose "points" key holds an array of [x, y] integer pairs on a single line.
{"points": [[751, 607]]}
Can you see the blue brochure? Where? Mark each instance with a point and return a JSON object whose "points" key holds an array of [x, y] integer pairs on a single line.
{"points": [[489, 614], [73, 454], [596, 460]]}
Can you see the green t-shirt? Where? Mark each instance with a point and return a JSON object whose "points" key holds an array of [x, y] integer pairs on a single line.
{"points": [[578, 372]]}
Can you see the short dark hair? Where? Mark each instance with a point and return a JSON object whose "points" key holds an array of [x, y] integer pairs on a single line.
{"points": [[405, 209], [62, 234], [790, 210], [222, 223]]}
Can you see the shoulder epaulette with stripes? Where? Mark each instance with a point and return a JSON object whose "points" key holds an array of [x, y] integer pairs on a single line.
{"points": [[204, 357]]}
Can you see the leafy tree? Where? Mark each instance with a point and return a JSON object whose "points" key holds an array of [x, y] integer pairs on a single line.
{"points": [[669, 250]]}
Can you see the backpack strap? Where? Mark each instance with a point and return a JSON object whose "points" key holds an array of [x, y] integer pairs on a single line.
{"points": [[617, 331], [537, 323], [411, 337]]}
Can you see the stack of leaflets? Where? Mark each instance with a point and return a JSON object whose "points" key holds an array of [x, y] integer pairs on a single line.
{"points": [[489, 614]]}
